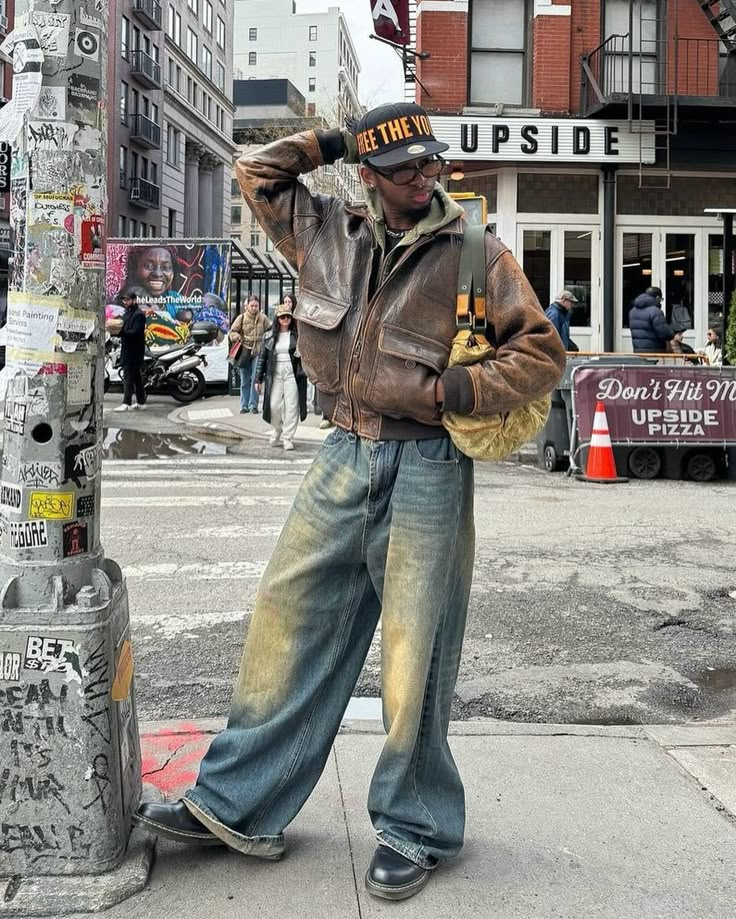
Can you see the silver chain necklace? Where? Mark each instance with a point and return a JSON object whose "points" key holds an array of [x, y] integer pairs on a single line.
{"points": [[396, 235]]}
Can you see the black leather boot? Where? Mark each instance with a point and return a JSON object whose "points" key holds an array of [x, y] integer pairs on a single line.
{"points": [[393, 877], [175, 821]]}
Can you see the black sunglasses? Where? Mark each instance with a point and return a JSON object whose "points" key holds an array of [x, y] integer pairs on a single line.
{"points": [[405, 175]]}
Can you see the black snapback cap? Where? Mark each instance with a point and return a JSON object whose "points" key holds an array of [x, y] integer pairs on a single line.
{"points": [[396, 133]]}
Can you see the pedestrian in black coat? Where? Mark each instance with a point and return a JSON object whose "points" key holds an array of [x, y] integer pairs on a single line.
{"points": [[650, 331], [133, 337]]}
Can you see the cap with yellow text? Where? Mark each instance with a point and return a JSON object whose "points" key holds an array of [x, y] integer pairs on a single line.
{"points": [[396, 133]]}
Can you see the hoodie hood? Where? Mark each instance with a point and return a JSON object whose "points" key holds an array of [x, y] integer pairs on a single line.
{"points": [[442, 211], [644, 301]]}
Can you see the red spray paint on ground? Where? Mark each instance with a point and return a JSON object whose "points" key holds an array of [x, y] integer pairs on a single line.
{"points": [[171, 757]]}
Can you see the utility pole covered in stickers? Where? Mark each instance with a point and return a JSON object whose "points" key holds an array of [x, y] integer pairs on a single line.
{"points": [[69, 749]]}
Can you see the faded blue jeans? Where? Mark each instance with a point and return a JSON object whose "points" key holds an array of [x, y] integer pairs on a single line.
{"points": [[248, 394], [376, 529]]}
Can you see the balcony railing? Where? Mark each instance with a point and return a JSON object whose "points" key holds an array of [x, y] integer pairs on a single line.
{"points": [[145, 69], [144, 193], [696, 69], [149, 12], [145, 131]]}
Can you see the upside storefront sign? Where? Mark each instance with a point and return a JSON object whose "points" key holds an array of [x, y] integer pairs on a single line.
{"points": [[391, 20], [658, 404]]}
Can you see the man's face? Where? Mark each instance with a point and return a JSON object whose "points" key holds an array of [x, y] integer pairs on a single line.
{"points": [[566, 303], [412, 200], [253, 307]]}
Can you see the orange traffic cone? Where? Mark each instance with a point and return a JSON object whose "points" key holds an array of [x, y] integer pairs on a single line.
{"points": [[601, 465]]}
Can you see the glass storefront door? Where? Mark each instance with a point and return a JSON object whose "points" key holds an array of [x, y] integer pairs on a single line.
{"points": [[557, 258], [686, 264]]}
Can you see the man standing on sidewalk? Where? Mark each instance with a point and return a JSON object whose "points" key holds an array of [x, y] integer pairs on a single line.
{"points": [[249, 328], [383, 522]]}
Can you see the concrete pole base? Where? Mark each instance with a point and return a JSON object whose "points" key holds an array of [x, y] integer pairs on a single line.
{"points": [[22, 897]]}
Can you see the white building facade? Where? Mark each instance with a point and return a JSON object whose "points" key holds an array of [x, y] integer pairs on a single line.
{"points": [[312, 50]]}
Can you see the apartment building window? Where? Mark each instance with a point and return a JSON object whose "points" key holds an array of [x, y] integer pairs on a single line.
{"points": [[124, 102], [220, 81], [252, 58], [143, 228], [498, 57], [174, 30], [207, 62], [153, 173], [123, 167], [312, 84], [137, 39], [236, 214], [121, 226], [220, 32], [125, 37], [133, 227], [313, 33], [192, 45], [133, 164], [172, 145], [234, 187], [144, 168], [172, 71], [135, 102], [255, 240], [193, 6], [208, 16], [644, 47], [311, 108], [252, 34], [312, 58], [171, 227]]}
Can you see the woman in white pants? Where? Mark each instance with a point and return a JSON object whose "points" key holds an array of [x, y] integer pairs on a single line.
{"points": [[279, 365]]}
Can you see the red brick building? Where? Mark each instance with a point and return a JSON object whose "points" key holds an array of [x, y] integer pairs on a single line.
{"points": [[599, 131]]}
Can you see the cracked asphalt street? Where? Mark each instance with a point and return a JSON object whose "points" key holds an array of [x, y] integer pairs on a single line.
{"points": [[590, 604]]}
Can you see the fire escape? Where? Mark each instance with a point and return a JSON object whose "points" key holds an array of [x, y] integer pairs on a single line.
{"points": [[651, 75]]}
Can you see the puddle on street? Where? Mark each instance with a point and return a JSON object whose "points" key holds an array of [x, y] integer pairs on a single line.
{"points": [[122, 443], [717, 679]]}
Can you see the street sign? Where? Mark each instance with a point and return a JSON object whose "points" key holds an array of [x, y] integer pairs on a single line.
{"points": [[391, 20]]}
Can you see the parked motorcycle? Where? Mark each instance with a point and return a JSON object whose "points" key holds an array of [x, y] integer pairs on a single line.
{"points": [[174, 371]]}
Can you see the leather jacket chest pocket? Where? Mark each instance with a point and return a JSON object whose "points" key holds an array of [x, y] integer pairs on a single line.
{"points": [[321, 326], [405, 373]]}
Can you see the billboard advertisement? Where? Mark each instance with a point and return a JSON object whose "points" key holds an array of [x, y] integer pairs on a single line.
{"points": [[686, 405], [177, 284]]}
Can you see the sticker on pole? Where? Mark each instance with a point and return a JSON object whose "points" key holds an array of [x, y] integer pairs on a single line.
{"points": [[51, 505], [10, 666], [123, 673], [30, 534], [53, 655], [75, 539]]}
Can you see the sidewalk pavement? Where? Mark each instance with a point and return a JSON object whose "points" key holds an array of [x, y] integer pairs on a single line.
{"points": [[220, 416], [564, 821]]}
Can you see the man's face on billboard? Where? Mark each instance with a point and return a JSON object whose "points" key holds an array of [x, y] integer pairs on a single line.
{"points": [[156, 271]]}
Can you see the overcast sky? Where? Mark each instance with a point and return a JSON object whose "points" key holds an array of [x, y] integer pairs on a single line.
{"points": [[381, 75]]}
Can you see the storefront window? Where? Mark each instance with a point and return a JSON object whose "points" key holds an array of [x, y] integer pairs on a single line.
{"points": [[679, 279], [537, 260], [578, 273], [636, 270]]}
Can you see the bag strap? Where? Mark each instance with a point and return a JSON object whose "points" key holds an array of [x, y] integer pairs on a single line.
{"points": [[470, 303]]}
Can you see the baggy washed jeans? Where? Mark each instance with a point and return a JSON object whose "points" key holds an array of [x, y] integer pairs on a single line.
{"points": [[248, 394], [377, 528], [284, 402]]}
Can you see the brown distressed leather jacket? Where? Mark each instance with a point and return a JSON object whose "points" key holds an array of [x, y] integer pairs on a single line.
{"points": [[375, 329]]}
